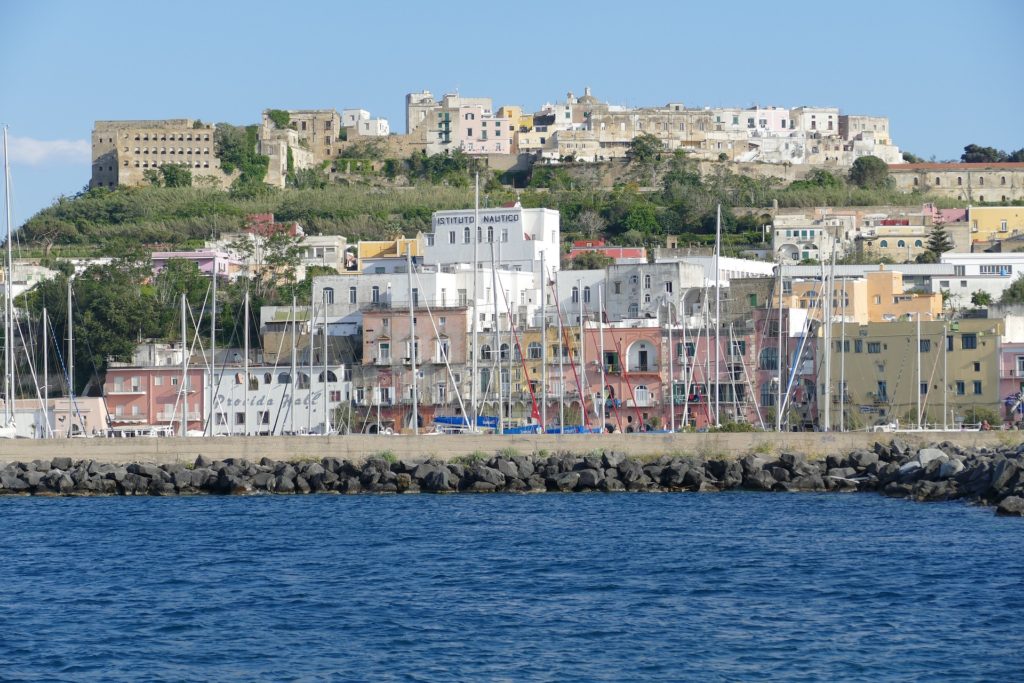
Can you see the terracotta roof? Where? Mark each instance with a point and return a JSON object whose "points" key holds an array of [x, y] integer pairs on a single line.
{"points": [[1011, 166]]}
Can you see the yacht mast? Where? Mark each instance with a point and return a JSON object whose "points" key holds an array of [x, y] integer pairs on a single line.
{"points": [[583, 363], [327, 417], [600, 359], [245, 358], [412, 343], [718, 310], [184, 370], [46, 378], [9, 381], [295, 376], [213, 347], [476, 273], [71, 356], [543, 345]]}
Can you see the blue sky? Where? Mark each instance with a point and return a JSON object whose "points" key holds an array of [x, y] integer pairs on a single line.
{"points": [[946, 73]]}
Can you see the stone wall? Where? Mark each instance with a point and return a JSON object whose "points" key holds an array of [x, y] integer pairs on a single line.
{"points": [[445, 447]]}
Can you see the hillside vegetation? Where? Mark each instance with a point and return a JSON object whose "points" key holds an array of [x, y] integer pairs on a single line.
{"points": [[682, 202]]}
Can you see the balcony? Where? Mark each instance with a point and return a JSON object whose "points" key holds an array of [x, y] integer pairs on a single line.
{"points": [[382, 360], [125, 391], [176, 416]]}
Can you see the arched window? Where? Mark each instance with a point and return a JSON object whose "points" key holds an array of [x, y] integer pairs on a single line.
{"points": [[643, 395], [490, 233], [238, 378], [769, 358], [981, 181], [329, 295], [884, 244], [586, 295], [918, 243], [634, 310], [466, 236], [938, 180], [331, 377], [959, 180], [575, 294], [303, 381], [268, 378], [284, 378], [254, 383], [1002, 180], [915, 182], [534, 351], [901, 244], [503, 352], [485, 352]]}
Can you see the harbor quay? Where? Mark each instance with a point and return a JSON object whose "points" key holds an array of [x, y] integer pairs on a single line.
{"points": [[359, 447]]}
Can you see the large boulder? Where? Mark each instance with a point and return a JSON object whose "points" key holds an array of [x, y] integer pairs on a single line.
{"points": [[1011, 505], [1003, 474], [927, 455], [507, 468], [566, 481], [440, 480], [61, 463], [629, 471], [951, 468], [10, 482], [758, 480], [588, 479], [860, 459], [488, 475]]}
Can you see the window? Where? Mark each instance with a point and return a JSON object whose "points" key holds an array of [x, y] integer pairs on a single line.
{"points": [[969, 341], [960, 388], [586, 295], [874, 347], [858, 346], [617, 286], [1020, 365], [769, 358], [384, 352], [883, 391], [959, 180], [352, 296], [926, 345], [752, 300], [878, 299], [901, 244], [158, 380], [329, 295], [575, 295], [977, 366], [239, 418], [884, 244], [767, 395], [331, 377], [485, 352], [924, 388], [1003, 226], [466, 236], [504, 234], [938, 181], [647, 281], [284, 378], [375, 294], [981, 181], [977, 387], [534, 351], [634, 310]]}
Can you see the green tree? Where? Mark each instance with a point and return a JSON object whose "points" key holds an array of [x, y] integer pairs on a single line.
{"points": [[180, 276], [911, 158], [981, 299], [645, 148], [1014, 294], [870, 172], [590, 260], [938, 244], [176, 175], [976, 154], [642, 218]]}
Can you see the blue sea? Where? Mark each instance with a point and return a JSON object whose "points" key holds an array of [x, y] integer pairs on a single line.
{"points": [[573, 587]]}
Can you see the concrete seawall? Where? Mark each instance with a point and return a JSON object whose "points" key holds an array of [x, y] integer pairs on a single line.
{"points": [[357, 448]]}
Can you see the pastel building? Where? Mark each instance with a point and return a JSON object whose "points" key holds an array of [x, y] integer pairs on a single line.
{"points": [[519, 237]]}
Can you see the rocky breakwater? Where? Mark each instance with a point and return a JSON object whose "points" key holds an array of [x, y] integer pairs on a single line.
{"points": [[941, 472]]}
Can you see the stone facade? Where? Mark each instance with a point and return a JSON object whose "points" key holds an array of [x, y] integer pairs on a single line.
{"points": [[122, 151], [995, 182]]}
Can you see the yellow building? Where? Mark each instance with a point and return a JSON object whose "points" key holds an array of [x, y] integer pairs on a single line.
{"points": [[995, 222], [877, 297]]}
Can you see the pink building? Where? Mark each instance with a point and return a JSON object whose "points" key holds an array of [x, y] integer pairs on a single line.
{"points": [[208, 260], [382, 385], [768, 120], [481, 132], [150, 391], [1011, 380]]}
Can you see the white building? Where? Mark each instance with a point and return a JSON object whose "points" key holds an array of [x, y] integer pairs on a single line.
{"points": [[276, 402], [519, 237], [799, 238], [978, 272]]}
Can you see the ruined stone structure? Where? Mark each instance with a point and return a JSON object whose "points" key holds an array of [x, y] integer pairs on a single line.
{"points": [[122, 151]]}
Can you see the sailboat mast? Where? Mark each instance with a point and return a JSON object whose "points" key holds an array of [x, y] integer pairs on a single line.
{"points": [[213, 346], [497, 338], [245, 358], [671, 375], [543, 345], [718, 321], [582, 359], [412, 343], [46, 378], [327, 417], [295, 376], [71, 353], [778, 354], [476, 318], [600, 360], [8, 295], [184, 370], [561, 365]]}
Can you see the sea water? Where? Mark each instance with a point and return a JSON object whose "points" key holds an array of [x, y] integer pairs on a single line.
{"points": [[550, 587]]}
